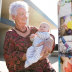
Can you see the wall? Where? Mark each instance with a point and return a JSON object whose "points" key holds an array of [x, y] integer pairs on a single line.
{"points": [[2, 37]]}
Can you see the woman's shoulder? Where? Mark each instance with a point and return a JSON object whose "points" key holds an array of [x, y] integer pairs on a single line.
{"points": [[10, 32], [33, 29]]}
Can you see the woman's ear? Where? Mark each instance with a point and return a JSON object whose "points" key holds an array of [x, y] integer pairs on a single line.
{"points": [[13, 17]]}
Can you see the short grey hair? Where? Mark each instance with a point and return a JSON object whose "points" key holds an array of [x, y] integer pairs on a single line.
{"points": [[15, 5]]}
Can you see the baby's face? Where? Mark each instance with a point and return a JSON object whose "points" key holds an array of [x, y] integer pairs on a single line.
{"points": [[44, 28]]}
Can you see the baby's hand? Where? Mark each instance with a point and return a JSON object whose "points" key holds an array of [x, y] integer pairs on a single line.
{"points": [[32, 35]]}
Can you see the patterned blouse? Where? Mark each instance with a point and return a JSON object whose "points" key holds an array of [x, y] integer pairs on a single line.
{"points": [[14, 48]]}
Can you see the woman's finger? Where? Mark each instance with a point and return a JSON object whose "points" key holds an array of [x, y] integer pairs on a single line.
{"points": [[43, 51]]}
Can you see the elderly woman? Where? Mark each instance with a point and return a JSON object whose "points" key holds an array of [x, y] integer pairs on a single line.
{"points": [[17, 41]]}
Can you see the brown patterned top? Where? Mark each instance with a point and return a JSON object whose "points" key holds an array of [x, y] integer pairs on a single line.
{"points": [[14, 48]]}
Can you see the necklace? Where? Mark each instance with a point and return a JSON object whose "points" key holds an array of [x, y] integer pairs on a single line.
{"points": [[21, 31]]}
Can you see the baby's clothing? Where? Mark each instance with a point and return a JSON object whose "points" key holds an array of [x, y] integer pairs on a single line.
{"points": [[33, 52]]}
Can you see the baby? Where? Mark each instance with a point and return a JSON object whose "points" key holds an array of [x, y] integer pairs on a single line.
{"points": [[34, 51]]}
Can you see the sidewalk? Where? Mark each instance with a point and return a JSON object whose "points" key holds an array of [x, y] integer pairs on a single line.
{"points": [[53, 60]]}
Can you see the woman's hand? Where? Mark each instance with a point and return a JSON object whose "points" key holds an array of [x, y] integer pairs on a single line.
{"points": [[48, 44], [24, 57], [32, 35]]}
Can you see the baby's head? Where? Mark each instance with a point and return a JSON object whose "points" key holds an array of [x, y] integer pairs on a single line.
{"points": [[44, 27]]}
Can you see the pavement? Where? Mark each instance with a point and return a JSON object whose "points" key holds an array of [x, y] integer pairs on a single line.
{"points": [[54, 62], [52, 59]]}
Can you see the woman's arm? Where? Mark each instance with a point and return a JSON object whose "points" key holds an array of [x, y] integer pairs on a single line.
{"points": [[12, 57], [48, 46]]}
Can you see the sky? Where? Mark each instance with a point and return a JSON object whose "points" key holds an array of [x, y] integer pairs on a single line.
{"points": [[49, 7]]}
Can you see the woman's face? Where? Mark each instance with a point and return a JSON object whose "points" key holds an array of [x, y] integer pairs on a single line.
{"points": [[21, 19]]}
